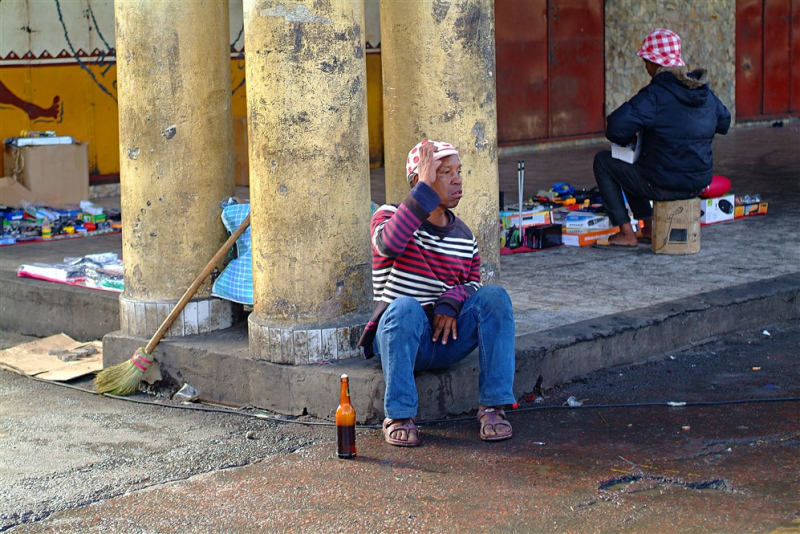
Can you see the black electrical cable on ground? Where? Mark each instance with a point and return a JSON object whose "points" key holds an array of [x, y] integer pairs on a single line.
{"points": [[202, 408]]}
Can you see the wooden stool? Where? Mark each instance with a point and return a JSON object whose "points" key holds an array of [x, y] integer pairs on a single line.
{"points": [[676, 227]]}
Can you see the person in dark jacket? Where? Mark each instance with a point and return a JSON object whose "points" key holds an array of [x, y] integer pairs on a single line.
{"points": [[675, 118]]}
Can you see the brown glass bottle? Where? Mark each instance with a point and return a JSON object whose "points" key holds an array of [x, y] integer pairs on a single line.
{"points": [[345, 423]]}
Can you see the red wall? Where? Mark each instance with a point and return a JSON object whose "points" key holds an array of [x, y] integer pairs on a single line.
{"points": [[767, 58], [550, 69]]}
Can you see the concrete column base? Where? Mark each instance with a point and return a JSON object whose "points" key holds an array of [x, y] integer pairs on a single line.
{"points": [[142, 318], [299, 344]]}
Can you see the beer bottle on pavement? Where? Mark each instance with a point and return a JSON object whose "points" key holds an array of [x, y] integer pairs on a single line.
{"points": [[345, 423]]}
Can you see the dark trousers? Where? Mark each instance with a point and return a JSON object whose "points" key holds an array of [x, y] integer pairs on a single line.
{"points": [[614, 176]]}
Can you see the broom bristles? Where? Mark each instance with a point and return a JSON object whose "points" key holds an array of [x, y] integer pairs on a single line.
{"points": [[124, 378]]}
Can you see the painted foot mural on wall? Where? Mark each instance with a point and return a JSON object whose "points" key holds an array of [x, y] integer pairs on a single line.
{"points": [[33, 111]]}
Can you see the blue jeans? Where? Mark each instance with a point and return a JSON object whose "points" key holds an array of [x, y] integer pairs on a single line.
{"points": [[404, 344]]}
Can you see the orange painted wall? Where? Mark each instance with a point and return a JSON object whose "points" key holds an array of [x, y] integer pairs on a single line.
{"points": [[88, 113], [84, 109], [68, 68]]}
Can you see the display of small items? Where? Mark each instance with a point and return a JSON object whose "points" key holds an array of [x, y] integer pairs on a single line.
{"points": [[563, 194], [32, 223], [538, 230]]}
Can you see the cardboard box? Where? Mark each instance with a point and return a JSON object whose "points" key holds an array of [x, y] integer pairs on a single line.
{"points": [[748, 210], [530, 217], [676, 227], [56, 174], [13, 193], [581, 238], [94, 219], [586, 220], [559, 215], [714, 210], [544, 236]]}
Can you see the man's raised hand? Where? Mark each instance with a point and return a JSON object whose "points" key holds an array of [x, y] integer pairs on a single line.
{"points": [[428, 167]]}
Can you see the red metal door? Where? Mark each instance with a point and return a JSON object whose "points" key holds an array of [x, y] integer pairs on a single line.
{"points": [[767, 58], [577, 67], [550, 69], [749, 38], [794, 94], [776, 56], [522, 77]]}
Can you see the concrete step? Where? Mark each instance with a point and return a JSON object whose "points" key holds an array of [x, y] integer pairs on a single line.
{"points": [[214, 363], [39, 308]]}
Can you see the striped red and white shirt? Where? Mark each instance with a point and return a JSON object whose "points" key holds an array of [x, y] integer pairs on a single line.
{"points": [[411, 257]]}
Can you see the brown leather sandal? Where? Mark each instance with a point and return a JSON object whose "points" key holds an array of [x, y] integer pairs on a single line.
{"points": [[494, 419], [407, 432]]}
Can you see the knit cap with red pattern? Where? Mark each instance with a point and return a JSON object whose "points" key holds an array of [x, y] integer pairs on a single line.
{"points": [[442, 151]]}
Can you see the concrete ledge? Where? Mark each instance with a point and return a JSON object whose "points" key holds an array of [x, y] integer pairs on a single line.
{"points": [[562, 354], [213, 362], [38, 308]]}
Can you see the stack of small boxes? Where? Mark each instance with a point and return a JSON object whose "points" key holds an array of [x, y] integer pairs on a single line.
{"points": [[729, 207], [535, 230]]}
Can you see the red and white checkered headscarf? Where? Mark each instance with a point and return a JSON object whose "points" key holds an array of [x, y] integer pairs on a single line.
{"points": [[412, 163], [663, 47]]}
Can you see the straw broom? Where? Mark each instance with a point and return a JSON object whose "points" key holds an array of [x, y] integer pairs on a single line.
{"points": [[124, 378]]}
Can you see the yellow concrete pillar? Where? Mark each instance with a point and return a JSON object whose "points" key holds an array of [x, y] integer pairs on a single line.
{"points": [[309, 178], [176, 158], [439, 83]]}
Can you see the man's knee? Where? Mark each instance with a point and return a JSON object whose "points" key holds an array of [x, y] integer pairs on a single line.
{"points": [[494, 294], [601, 160], [404, 320], [405, 307]]}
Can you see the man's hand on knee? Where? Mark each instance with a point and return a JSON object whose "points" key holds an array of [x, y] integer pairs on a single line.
{"points": [[444, 325]]}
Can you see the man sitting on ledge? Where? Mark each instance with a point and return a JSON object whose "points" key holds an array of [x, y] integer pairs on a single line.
{"points": [[676, 117], [430, 310]]}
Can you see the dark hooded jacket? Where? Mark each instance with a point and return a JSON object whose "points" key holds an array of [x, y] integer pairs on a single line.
{"points": [[677, 115]]}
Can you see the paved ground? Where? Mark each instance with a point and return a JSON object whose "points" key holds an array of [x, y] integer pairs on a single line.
{"points": [[75, 462]]}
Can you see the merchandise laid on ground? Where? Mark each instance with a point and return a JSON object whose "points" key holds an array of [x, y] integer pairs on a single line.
{"points": [[31, 224], [560, 216], [730, 207], [95, 271], [44, 189], [564, 216]]}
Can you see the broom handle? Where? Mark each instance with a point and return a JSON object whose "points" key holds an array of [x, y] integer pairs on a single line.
{"points": [[193, 288]]}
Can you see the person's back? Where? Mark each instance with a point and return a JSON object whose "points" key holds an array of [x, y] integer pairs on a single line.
{"points": [[678, 115], [675, 117]]}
